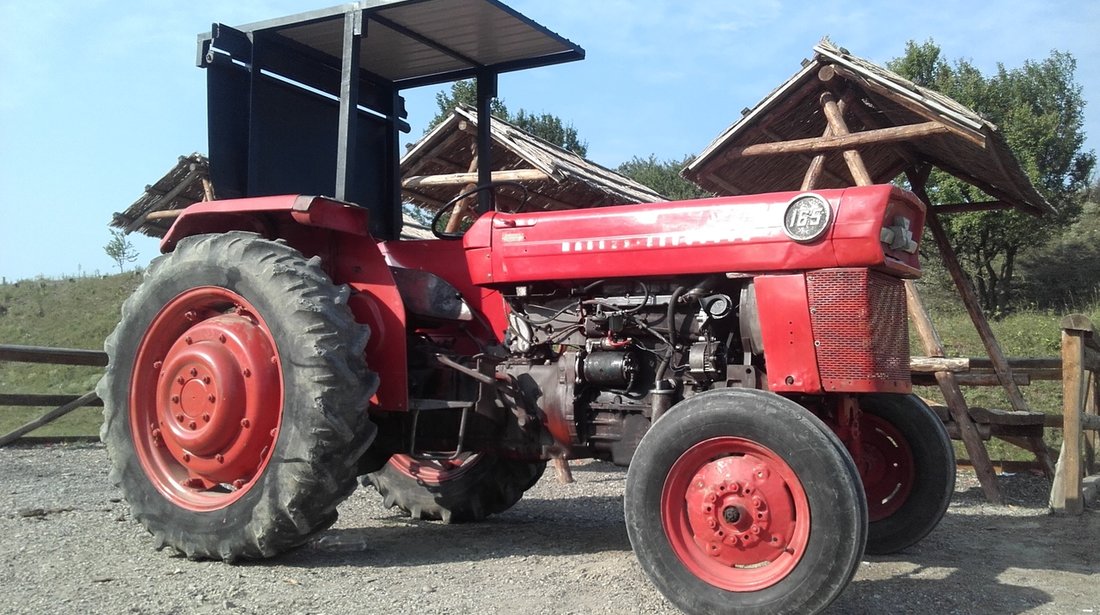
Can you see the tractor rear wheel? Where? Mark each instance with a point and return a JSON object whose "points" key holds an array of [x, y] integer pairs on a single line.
{"points": [[467, 489], [908, 470], [235, 398], [741, 501]]}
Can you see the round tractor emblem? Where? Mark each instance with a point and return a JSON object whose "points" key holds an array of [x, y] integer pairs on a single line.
{"points": [[807, 217]]}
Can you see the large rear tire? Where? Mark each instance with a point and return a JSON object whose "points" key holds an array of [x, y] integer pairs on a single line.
{"points": [[741, 501], [468, 489], [908, 470], [235, 398]]}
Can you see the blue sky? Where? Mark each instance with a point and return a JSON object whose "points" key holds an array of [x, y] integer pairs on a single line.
{"points": [[99, 98]]}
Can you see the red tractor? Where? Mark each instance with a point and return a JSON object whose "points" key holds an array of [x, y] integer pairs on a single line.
{"points": [[747, 357]]}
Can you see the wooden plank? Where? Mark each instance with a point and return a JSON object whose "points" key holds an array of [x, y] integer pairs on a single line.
{"points": [[461, 179], [1025, 363], [931, 365], [55, 356], [1006, 417], [972, 380], [840, 129], [1065, 495], [167, 199], [835, 142], [40, 401], [1092, 415], [49, 417], [953, 396]]}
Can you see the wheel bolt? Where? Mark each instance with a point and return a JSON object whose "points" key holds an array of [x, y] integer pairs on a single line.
{"points": [[181, 380], [191, 315], [237, 484], [735, 487], [157, 364], [192, 424], [186, 457], [206, 417], [219, 458], [246, 423], [711, 497], [247, 372], [758, 503], [194, 372], [221, 338], [755, 529], [179, 417], [211, 398], [189, 340], [712, 523], [206, 380], [175, 399]]}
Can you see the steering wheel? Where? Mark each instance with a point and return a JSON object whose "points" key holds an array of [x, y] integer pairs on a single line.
{"points": [[455, 207]]}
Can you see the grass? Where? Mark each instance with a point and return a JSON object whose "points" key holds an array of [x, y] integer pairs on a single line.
{"points": [[76, 312], [80, 312]]}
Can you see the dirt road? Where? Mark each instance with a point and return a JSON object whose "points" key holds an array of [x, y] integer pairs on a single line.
{"points": [[68, 545]]}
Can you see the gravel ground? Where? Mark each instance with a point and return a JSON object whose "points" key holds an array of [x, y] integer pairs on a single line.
{"points": [[69, 545]]}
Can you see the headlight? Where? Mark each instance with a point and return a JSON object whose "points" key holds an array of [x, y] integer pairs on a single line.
{"points": [[807, 217]]}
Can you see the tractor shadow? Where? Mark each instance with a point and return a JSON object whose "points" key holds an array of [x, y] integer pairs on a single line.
{"points": [[534, 527]]}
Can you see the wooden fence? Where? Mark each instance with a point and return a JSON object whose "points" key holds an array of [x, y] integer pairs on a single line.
{"points": [[64, 403], [1080, 420]]}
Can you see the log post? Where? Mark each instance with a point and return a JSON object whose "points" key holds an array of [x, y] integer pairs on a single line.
{"points": [[835, 118], [1065, 495], [953, 397], [463, 205]]}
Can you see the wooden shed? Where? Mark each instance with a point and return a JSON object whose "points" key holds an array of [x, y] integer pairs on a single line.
{"points": [[444, 162], [842, 121]]}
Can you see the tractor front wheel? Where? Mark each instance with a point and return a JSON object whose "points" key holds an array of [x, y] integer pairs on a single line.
{"points": [[741, 501], [469, 488], [235, 398], [908, 470]]}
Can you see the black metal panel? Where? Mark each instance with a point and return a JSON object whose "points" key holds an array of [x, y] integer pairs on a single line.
{"points": [[227, 93]]}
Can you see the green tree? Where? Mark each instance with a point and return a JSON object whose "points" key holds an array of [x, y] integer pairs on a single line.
{"points": [[1039, 109], [545, 126], [663, 176], [120, 250]]}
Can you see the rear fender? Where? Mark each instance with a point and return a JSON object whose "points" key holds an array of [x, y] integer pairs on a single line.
{"points": [[339, 234]]}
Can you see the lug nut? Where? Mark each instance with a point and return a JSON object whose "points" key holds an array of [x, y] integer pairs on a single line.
{"points": [[237, 484], [221, 338], [186, 457], [194, 372], [246, 423], [219, 458], [189, 340], [206, 380], [206, 417], [157, 364], [179, 417], [247, 372], [175, 399], [181, 380], [211, 398]]}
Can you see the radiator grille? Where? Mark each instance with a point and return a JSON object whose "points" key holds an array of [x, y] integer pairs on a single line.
{"points": [[860, 330]]}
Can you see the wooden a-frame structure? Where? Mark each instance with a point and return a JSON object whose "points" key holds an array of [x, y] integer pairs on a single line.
{"points": [[843, 121]]}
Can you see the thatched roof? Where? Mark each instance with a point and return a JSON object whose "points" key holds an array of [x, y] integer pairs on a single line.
{"points": [[567, 181], [960, 142], [182, 186]]}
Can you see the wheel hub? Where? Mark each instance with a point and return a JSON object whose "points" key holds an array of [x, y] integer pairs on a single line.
{"points": [[729, 512], [735, 514]]}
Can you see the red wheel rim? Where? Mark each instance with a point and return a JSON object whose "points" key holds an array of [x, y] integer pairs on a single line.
{"points": [[735, 514], [206, 398], [432, 472], [887, 466]]}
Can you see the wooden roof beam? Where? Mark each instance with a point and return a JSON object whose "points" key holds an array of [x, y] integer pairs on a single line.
{"points": [[954, 208], [460, 179], [817, 145], [977, 139]]}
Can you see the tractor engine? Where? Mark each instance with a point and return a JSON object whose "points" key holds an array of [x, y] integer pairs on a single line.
{"points": [[599, 363]]}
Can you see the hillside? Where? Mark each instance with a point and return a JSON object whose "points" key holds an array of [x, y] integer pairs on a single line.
{"points": [[76, 312]]}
